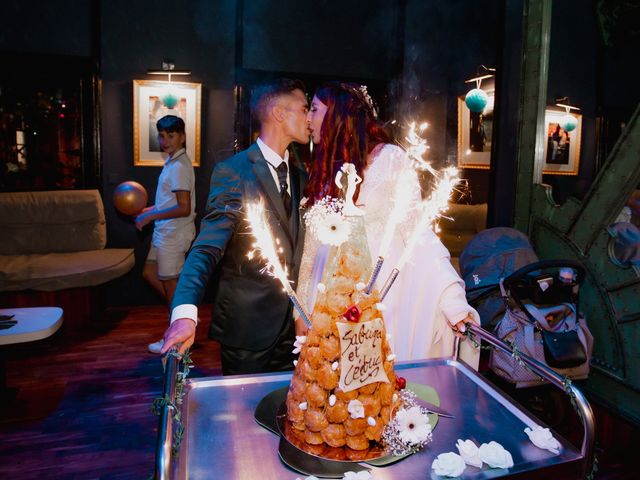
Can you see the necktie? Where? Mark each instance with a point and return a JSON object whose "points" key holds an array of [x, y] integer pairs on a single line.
{"points": [[283, 172]]}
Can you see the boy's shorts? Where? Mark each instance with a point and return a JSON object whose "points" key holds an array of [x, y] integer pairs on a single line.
{"points": [[169, 258]]}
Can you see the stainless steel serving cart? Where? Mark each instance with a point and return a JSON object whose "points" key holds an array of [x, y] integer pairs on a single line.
{"points": [[222, 440]]}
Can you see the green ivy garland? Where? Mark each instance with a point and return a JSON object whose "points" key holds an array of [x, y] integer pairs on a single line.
{"points": [[184, 365]]}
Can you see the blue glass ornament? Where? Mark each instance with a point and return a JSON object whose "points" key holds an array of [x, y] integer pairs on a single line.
{"points": [[170, 100], [476, 100], [568, 122]]}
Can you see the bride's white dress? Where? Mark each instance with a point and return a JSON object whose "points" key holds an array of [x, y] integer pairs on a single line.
{"points": [[428, 292]]}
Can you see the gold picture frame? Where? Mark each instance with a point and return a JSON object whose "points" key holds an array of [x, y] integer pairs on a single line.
{"points": [[154, 99], [561, 148], [475, 134]]}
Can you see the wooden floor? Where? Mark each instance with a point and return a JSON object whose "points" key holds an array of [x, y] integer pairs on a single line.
{"points": [[80, 406], [80, 403]]}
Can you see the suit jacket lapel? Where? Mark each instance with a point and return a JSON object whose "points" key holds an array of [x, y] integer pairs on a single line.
{"points": [[294, 177], [299, 182], [264, 176]]}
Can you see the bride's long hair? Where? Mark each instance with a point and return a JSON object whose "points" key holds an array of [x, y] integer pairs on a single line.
{"points": [[349, 133]]}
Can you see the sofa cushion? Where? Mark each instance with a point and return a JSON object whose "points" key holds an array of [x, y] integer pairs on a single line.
{"points": [[46, 222], [57, 271]]}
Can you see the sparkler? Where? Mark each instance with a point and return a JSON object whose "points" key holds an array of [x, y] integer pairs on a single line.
{"points": [[430, 210], [402, 200], [266, 246]]}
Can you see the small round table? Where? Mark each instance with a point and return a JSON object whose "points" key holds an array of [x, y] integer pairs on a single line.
{"points": [[34, 323]]}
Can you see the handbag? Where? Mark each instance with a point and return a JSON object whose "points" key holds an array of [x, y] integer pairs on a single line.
{"points": [[563, 349], [567, 348]]}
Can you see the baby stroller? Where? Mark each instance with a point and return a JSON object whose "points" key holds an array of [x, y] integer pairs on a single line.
{"points": [[493, 254], [533, 306]]}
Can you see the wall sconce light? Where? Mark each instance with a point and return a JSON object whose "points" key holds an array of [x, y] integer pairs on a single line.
{"points": [[169, 97], [168, 69], [567, 122], [477, 99]]}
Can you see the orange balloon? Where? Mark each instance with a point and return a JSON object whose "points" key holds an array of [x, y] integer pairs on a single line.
{"points": [[130, 198]]}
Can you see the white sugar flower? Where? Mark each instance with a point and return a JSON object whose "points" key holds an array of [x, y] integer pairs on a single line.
{"points": [[321, 287], [409, 430], [448, 465], [543, 438], [295, 363], [300, 339], [360, 286], [361, 475], [327, 222], [391, 357], [335, 365], [371, 421], [332, 400], [333, 230], [356, 409], [303, 406], [381, 307], [469, 452], [413, 425], [494, 455]]}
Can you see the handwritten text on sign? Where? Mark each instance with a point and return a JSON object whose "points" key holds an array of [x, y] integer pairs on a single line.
{"points": [[361, 361]]}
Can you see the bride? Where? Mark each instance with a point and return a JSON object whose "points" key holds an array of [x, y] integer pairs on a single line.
{"points": [[427, 306]]}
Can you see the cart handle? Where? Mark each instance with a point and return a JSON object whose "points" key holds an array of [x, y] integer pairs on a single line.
{"points": [[585, 411], [165, 423]]}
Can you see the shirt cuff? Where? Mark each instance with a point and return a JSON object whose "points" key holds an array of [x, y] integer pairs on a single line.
{"points": [[185, 311]]}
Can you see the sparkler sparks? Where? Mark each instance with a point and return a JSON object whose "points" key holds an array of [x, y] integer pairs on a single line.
{"points": [[430, 209], [417, 146], [402, 204], [265, 246]]}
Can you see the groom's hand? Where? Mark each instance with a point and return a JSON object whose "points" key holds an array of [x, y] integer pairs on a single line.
{"points": [[181, 333]]}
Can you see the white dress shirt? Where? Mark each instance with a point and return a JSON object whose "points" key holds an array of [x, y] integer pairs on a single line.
{"points": [[274, 160]]}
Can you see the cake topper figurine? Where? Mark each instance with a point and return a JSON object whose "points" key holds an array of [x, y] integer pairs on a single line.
{"points": [[352, 181]]}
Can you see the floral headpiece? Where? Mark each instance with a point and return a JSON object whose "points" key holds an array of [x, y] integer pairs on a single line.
{"points": [[361, 93]]}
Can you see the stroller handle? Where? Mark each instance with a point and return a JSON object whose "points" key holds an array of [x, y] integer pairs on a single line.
{"points": [[532, 267]]}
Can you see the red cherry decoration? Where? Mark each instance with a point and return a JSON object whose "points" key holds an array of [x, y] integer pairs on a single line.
{"points": [[401, 382], [353, 313]]}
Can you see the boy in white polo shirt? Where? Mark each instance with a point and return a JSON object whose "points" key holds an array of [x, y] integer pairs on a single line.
{"points": [[173, 213]]}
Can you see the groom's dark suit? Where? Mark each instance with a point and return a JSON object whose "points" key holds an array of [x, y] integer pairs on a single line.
{"points": [[251, 312]]}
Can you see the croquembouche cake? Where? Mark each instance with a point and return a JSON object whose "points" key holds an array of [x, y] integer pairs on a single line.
{"points": [[344, 390]]}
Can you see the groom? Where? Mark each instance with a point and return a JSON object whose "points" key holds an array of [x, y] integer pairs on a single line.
{"points": [[252, 315]]}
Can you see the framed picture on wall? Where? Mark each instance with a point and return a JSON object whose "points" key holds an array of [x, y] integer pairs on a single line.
{"points": [[561, 148], [152, 100], [474, 135]]}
